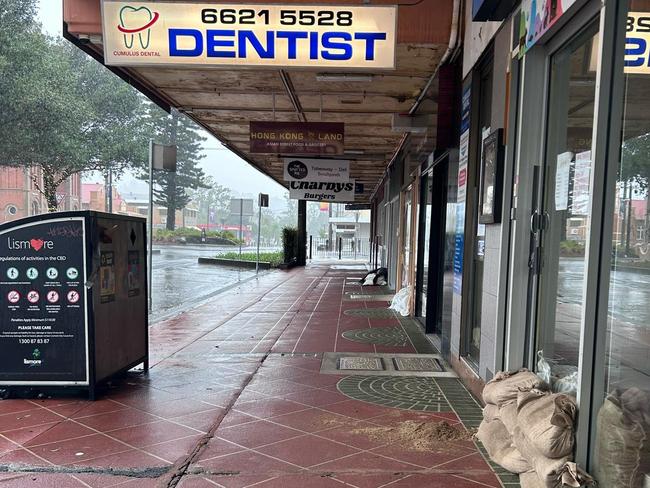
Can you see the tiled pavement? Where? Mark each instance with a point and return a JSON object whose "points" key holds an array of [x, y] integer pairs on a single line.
{"points": [[234, 399]]}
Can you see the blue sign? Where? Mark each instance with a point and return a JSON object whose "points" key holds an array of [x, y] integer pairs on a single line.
{"points": [[459, 248]]}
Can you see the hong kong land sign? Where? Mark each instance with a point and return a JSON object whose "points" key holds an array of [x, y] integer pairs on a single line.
{"points": [[162, 33]]}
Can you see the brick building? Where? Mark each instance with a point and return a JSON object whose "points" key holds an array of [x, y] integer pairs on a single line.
{"points": [[20, 197]]}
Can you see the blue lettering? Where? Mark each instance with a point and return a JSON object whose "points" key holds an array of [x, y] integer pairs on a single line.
{"points": [[212, 43], [247, 35], [313, 45], [174, 50], [292, 38], [370, 38], [638, 51], [328, 44]]}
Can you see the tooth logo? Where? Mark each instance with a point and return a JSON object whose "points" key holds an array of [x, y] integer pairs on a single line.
{"points": [[136, 21]]}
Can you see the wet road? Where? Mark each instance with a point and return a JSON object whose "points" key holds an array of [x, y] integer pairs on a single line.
{"points": [[629, 291], [180, 283]]}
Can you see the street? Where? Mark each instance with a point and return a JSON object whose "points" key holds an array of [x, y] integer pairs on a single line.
{"points": [[180, 283], [629, 291]]}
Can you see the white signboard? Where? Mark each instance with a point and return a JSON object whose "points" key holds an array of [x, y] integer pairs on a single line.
{"points": [[326, 36], [582, 184], [637, 43], [322, 170], [321, 191], [562, 172]]}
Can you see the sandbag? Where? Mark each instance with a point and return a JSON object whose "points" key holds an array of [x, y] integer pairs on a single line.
{"points": [[547, 420], [622, 448], [401, 301], [508, 415], [490, 412], [503, 388], [549, 471], [498, 444], [636, 405], [530, 479]]}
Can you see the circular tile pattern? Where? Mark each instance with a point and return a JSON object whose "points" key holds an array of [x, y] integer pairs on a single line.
{"points": [[371, 313], [408, 393], [385, 336]]}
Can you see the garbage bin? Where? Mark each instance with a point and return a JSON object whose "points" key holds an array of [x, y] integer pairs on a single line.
{"points": [[73, 294]]}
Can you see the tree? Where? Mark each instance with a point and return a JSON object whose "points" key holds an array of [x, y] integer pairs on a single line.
{"points": [[213, 201], [174, 188], [59, 109]]}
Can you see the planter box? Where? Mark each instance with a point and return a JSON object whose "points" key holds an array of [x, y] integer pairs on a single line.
{"points": [[234, 262]]}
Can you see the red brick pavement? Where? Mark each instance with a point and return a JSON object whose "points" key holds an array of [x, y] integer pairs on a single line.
{"points": [[234, 398]]}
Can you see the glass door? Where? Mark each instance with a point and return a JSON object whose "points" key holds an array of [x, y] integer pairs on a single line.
{"points": [[561, 221], [424, 247]]}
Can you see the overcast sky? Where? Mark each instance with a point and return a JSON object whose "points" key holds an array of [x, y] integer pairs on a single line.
{"points": [[226, 168]]}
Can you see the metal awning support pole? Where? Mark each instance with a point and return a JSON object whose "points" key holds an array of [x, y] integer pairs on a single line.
{"points": [[150, 227], [259, 232], [241, 223]]}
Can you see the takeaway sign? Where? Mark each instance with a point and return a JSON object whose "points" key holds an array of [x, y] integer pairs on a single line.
{"points": [[322, 192], [319, 170], [326, 36]]}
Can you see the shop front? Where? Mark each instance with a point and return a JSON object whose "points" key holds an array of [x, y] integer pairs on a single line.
{"points": [[571, 281]]}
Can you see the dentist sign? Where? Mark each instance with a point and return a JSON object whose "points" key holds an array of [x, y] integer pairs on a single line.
{"points": [[157, 33]]}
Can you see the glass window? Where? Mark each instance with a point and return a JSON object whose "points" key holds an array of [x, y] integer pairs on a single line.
{"points": [[566, 208], [623, 422]]}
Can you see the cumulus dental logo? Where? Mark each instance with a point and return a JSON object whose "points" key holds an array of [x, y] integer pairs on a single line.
{"points": [[137, 21]]}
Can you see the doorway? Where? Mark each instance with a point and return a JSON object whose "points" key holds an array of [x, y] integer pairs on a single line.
{"points": [[561, 218], [439, 186]]}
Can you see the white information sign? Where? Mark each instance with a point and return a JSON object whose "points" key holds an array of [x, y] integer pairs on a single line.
{"points": [[562, 180], [321, 170], [325, 36], [321, 191]]}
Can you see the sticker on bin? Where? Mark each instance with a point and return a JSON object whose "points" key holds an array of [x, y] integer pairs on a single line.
{"points": [[52, 297]]}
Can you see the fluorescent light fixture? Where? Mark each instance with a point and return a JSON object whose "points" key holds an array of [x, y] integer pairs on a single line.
{"points": [[343, 77], [355, 151]]}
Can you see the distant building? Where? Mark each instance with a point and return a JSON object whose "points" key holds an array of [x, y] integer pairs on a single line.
{"points": [[93, 197], [187, 217], [20, 196]]}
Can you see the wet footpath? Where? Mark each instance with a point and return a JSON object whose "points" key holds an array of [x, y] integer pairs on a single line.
{"points": [[236, 398]]}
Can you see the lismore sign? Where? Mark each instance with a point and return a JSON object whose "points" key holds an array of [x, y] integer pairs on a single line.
{"points": [[158, 33]]}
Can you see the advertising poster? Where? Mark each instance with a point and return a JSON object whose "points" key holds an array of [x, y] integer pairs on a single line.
{"points": [[134, 273], [459, 244], [537, 17], [43, 325], [107, 277]]}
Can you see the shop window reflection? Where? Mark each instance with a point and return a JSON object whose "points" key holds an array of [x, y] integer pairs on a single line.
{"points": [[623, 422]]}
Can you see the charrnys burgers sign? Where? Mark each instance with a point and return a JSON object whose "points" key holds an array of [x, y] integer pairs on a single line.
{"points": [[321, 191], [314, 36]]}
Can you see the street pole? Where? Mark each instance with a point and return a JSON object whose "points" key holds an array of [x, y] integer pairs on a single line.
{"points": [[259, 232], [150, 224], [241, 223]]}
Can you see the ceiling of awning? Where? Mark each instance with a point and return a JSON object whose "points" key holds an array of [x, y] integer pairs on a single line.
{"points": [[225, 100]]}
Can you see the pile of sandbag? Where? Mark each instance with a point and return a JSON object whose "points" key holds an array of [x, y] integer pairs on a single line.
{"points": [[623, 446], [529, 430]]}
